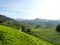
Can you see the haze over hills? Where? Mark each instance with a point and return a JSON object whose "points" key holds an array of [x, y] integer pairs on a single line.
{"points": [[9, 35], [9, 21], [29, 22], [41, 21], [32, 25]]}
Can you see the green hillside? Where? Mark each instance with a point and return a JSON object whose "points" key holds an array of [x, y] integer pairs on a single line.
{"points": [[10, 36], [10, 22], [47, 33]]}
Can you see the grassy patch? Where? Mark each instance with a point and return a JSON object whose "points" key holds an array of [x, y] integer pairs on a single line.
{"points": [[47, 33], [10, 36]]}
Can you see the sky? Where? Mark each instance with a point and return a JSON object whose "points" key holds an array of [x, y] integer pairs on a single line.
{"points": [[31, 9]]}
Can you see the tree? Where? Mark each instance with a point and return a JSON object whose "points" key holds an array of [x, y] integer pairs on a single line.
{"points": [[38, 26], [25, 29], [1, 21], [58, 28], [28, 30]]}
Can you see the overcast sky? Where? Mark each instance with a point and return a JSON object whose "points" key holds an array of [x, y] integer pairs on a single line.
{"points": [[30, 9]]}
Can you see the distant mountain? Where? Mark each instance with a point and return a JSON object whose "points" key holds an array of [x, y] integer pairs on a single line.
{"points": [[38, 21], [17, 23], [7, 21], [20, 19]]}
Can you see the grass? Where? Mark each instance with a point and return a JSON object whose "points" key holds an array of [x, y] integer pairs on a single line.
{"points": [[47, 33], [11, 36]]}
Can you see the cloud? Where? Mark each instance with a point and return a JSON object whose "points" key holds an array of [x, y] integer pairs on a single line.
{"points": [[47, 9], [50, 10]]}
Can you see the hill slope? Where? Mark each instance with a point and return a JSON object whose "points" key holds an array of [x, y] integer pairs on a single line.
{"points": [[10, 22], [6, 21], [10, 36], [47, 33]]}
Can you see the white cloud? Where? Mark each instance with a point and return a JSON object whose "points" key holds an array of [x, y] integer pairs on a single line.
{"points": [[50, 10], [47, 9]]}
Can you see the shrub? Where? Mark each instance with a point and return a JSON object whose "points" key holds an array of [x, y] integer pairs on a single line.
{"points": [[1, 21], [58, 28], [25, 29], [38, 26]]}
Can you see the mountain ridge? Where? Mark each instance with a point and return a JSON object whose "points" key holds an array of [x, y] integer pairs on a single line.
{"points": [[42, 21]]}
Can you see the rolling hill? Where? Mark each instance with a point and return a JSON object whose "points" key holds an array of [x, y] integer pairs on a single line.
{"points": [[47, 33], [10, 22], [38, 21], [11, 36], [7, 21]]}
